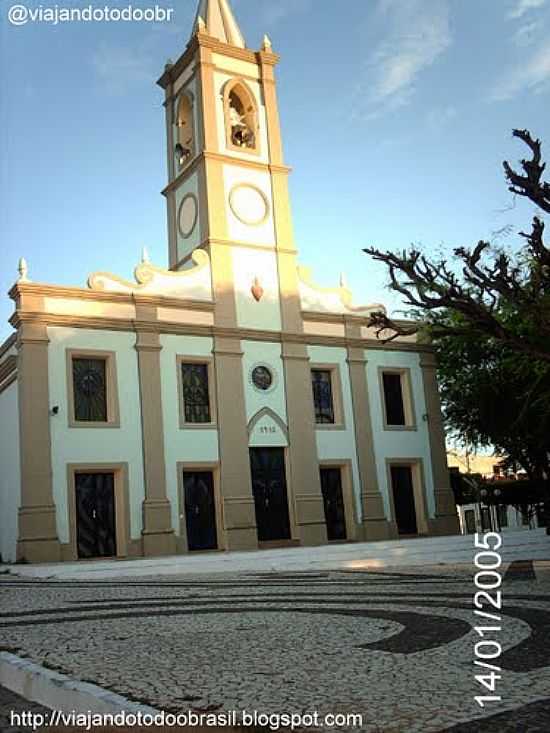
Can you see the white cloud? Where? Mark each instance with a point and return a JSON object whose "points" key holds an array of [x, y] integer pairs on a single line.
{"points": [[524, 6], [526, 33], [415, 34], [530, 75]]}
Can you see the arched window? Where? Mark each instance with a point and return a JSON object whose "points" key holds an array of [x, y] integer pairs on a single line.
{"points": [[185, 141], [241, 118]]}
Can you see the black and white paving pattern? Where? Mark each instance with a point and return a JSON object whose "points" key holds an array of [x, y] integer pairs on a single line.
{"points": [[396, 646]]}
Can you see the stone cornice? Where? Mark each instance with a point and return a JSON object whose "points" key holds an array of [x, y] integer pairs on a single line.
{"points": [[8, 382], [55, 291], [8, 343], [203, 40], [8, 366], [235, 243], [229, 160], [188, 329]]}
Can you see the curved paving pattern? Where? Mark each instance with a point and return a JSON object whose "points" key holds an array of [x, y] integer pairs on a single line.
{"points": [[533, 718], [394, 646]]}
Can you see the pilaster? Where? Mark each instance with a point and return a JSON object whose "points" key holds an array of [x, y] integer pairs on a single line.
{"points": [[208, 134], [374, 522], [38, 540], [446, 519], [171, 196], [304, 463], [236, 485], [282, 215], [158, 533]]}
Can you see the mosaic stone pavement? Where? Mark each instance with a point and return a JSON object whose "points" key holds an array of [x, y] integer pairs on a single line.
{"points": [[395, 646]]}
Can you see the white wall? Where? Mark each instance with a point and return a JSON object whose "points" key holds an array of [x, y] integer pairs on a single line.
{"points": [[399, 443], [96, 445], [10, 476], [336, 444], [190, 445], [256, 353], [249, 264], [515, 522], [259, 234]]}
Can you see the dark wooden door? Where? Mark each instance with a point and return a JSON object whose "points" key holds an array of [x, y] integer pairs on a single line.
{"points": [[95, 515], [403, 499], [200, 510], [333, 498], [270, 493]]}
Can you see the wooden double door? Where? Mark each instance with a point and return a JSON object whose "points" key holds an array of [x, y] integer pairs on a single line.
{"points": [[200, 510], [95, 515], [403, 500], [268, 472], [333, 500]]}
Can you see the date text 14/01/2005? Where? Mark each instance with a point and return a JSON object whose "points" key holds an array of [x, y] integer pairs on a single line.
{"points": [[488, 581]]}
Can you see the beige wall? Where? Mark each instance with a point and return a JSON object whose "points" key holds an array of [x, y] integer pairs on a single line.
{"points": [[10, 474]]}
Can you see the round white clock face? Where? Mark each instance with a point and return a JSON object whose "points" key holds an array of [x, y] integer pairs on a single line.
{"points": [[187, 217], [249, 204]]}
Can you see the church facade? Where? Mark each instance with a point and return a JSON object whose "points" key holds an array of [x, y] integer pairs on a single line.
{"points": [[228, 402]]}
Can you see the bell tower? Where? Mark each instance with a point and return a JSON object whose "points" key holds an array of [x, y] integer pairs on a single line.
{"points": [[228, 194], [228, 184]]}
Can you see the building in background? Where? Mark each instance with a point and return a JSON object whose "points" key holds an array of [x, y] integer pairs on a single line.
{"points": [[480, 516], [229, 402]]}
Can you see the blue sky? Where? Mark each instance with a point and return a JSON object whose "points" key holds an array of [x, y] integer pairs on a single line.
{"points": [[396, 117]]}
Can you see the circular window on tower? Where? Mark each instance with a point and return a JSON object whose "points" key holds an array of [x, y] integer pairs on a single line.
{"points": [[249, 204], [262, 377], [187, 216]]}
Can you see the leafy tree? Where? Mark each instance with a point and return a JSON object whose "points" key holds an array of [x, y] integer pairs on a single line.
{"points": [[494, 397]]}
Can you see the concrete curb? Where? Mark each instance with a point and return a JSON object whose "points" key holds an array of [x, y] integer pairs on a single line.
{"points": [[520, 545], [59, 692]]}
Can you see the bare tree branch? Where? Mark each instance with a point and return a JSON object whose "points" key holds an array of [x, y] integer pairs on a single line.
{"points": [[491, 283], [530, 185]]}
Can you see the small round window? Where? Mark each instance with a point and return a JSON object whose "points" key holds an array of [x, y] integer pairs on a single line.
{"points": [[262, 378]]}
